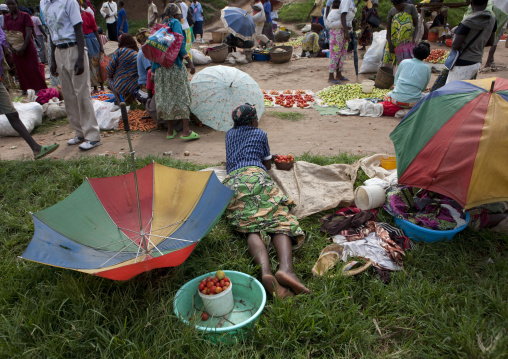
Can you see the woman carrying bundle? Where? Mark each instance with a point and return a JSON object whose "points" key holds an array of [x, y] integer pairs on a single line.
{"points": [[258, 207], [172, 86]]}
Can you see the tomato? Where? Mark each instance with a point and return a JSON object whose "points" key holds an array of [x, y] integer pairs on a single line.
{"points": [[226, 279], [204, 316], [215, 280], [201, 286], [209, 284], [222, 283], [204, 292], [212, 289], [218, 290]]}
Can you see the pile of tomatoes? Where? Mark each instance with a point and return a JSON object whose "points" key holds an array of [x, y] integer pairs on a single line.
{"points": [[214, 285], [437, 56], [292, 100], [284, 158], [102, 95]]}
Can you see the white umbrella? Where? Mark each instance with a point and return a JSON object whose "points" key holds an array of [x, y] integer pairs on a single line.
{"points": [[218, 90]]}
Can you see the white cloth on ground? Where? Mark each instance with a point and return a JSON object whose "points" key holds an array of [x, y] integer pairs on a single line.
{"points": [[368, 247], [365, 108]]}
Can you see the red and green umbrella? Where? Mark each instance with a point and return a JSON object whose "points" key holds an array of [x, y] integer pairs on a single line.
{"points": [[455, 142], [97, 230]]}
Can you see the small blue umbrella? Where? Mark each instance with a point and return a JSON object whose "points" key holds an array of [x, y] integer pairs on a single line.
{"points": [[239, 22]]}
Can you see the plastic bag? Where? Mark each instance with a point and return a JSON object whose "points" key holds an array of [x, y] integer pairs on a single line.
{"points": [[306, 28], [29, 113], [55, 109], [108, 114], [198, 58], [162, 46], [374, 55], [236, 57], [104, 64]]}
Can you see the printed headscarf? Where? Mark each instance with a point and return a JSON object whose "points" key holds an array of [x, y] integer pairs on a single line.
{"points": [[171, 11], [244, 114], [142, 35]]}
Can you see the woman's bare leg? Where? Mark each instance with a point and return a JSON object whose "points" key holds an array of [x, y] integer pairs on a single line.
{"points": [[257, 250], [285, 275]]}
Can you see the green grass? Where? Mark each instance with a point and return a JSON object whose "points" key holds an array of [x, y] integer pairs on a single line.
{"points": [[289, 116], [49, 126], [450, 296]]}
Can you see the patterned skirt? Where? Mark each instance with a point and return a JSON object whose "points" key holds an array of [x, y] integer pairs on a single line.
{"points": [[172, 93], [259, 206], [338, 50]]}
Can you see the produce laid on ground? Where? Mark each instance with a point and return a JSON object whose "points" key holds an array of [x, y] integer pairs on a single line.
{"points": [[102, 95], [337, 95], [437, 56], [288, 98], [214, 285], [139, 121], [503, 37], [295, 42]]}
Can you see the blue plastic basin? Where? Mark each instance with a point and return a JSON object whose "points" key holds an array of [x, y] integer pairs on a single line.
{"points": [[418, 233], [261, 57]]}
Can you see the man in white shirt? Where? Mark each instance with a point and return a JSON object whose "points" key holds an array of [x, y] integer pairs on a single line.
{"points": [[110, 12], [70, 64], [152, 13]]}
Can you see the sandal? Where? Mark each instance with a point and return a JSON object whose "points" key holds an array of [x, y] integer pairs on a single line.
{"points": [[171, 137], [343, 79], [328, 258], [192, 136], [335, 82], [46, 150]]}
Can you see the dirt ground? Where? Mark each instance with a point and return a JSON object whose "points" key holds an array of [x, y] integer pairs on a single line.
{"points": [[325, 135]]}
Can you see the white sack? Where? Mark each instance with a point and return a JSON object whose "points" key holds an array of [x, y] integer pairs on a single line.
{"points": [[198, 58], [374, 55], [29, 113], [108, 114]]}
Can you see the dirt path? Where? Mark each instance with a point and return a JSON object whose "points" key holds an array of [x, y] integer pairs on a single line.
{"points": [[326, 135]]}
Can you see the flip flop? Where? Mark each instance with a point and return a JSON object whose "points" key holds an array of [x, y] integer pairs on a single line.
{"points": [[344, 79], [328, 258], [171, 137], [192, 136], [336, 82], [46, 150]]}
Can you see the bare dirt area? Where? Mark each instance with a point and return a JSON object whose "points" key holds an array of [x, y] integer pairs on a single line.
{"points": [[325, 135]]}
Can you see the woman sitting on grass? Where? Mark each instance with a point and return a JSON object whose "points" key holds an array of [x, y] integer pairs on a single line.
{"points": [[123, 69], [411, 79], [258, 207]]}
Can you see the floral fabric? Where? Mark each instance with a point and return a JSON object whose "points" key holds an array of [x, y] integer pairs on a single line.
{"points": [[338, 49], [402, 30], [259, 206]]}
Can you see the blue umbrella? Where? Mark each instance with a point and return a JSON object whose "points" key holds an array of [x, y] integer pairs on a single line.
{"points": [[239, 22]]}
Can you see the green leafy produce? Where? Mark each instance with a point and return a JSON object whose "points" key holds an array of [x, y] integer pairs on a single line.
{"points": [[17, 99], [295, 42], [338, 95]]}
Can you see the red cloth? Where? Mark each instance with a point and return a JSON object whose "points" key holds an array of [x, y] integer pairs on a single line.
{"points": [[389, 109], [89, 24], [27, 66], [149, 83], [43, 96]]}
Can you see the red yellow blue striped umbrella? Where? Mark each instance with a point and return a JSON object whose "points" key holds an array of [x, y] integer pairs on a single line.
{"points": [[96, 229], [455, 142]]}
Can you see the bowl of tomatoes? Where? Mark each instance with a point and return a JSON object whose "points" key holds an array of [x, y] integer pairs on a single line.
{"points": [[249, 299], [284, 162], [216, 294]]}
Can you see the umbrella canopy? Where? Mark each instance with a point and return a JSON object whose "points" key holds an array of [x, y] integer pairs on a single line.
{"points": [[96, 229], [454, 142], [239, 22], [218, 90]]}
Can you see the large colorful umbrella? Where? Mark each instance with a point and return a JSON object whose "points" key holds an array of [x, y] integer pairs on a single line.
{"points": [[218, 90], [239, 22], [96, 229], [455, 142]]}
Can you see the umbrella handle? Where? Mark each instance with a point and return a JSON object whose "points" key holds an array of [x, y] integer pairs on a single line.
{"points": [[125, 118]]}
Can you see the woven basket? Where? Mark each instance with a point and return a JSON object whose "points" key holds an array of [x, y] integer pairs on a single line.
{"points": [[218, 53], [384, 78], [279, 58], [284, 166], [218, 36]]}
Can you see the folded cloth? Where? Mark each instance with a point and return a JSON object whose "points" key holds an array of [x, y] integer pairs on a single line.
{"points": [[345, 219]]}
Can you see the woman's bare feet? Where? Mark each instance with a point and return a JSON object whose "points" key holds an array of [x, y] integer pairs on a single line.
{"points": [[289, 279], [272, 287]]}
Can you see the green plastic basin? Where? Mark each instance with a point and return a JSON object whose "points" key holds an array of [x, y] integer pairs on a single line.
{"points": [[250, 299]]}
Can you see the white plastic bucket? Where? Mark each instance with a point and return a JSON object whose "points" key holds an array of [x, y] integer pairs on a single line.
{"points": [[219, 304], [369, 197], [367, 86]]}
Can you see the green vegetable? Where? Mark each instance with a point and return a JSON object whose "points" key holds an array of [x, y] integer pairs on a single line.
{"points": [[338, 95]]}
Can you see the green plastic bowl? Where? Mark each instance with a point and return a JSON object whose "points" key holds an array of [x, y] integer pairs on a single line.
{"points": [[250, 299]]}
